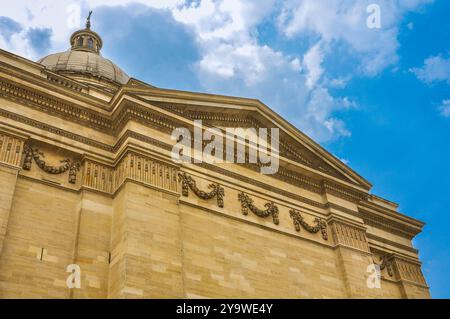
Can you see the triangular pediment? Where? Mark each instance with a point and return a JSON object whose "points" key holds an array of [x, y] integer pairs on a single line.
{"points": [[300, 154], [224, 112]]}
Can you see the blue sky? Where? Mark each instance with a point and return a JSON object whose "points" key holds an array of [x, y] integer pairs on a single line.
{"points": [[378, 99]]}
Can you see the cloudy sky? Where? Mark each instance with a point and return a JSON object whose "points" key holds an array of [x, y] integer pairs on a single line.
{"points": [[377, 98]]}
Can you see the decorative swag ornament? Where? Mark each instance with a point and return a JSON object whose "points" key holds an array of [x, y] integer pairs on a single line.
{"points": [[247, 204], [386, 262], [298, 221], [188, 182], [66, 165]]}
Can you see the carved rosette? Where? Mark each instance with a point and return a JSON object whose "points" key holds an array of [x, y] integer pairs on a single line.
{"points": [[187, 182], [298, 221], [247, 204], [66, 164]]}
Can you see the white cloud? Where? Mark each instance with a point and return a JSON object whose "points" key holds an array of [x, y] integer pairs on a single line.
{"points": [[444, 108], [434, 69], [313, 60], [345, 21], [339, 82], [234, 61], [296, 64], [224, 30], [318, 119], [58, 15]]}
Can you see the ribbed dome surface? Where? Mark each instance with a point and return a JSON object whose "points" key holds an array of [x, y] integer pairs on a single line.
{"points": [[84, 62]]}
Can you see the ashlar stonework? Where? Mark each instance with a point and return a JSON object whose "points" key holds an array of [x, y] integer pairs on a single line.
{"points": [[87, 178]]}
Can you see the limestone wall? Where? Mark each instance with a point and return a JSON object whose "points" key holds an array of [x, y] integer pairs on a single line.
{"points": [[145, 241]]}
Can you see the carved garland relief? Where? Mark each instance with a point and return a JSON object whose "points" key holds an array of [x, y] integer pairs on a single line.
{"points": [[187, 182], [298, 221], [247, 204], [66, 164]]}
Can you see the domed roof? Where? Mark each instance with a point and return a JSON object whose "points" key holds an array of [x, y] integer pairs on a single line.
{"points": [[84, 58], [84, 62]]}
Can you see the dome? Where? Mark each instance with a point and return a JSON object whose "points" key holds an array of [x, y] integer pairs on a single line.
{"points": [[84, 59], [84, 62]]}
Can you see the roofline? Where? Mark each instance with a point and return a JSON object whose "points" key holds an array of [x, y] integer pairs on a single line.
{"points": [[252, 102], [266, 110]]}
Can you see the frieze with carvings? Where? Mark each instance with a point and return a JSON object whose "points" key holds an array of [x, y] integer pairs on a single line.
{"points": [[349, 235], [187, 182], [409, 271], [298, 220], [66, 164], [247, 204]]}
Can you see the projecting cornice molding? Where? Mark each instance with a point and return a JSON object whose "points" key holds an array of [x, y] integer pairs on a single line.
{"points": [[288, 146], [147, 170], [389, 220], [371, 217]]}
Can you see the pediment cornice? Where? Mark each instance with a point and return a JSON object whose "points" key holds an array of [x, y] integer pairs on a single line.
{"points": [[290, 147]]}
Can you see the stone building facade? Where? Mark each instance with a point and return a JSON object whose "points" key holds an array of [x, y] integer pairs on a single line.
{"points": [[87, 178]]}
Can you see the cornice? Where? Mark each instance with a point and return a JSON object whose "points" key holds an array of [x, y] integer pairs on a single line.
{"points": [[392, 213], [247, 119], [372, 218], [386, 241], [348, 194], [407, 227], [48, 104], [57, 83], [110, 125]]}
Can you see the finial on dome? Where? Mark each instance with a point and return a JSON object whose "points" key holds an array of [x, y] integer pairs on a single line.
{"points": [[86, 39], [88, 20]]}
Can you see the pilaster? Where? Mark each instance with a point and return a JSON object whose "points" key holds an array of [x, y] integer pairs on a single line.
{"points": [[11, 148], [353, 257], [145, 235], [92, 244], [410, 277]]}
